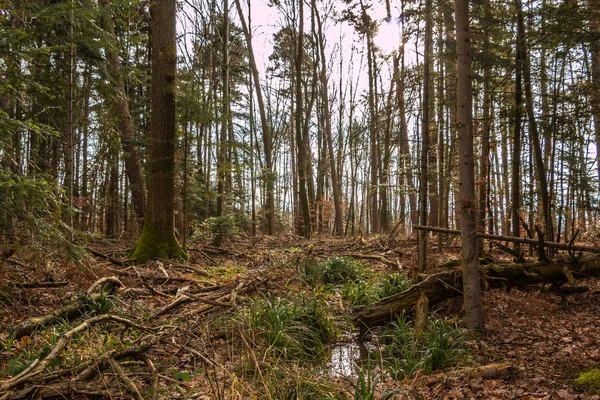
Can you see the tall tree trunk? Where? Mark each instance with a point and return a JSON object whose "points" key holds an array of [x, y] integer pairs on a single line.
{"points": [[300, 143], [374, 161], [158, 235], [69, 148], [223, 167], [399, 74], [423, 185], [335, 186], [441, 130], [516, 154], [484, 174], [120, 108], [595, 48], [473, 305], [266, 129], [533, 130], [112, 197]]}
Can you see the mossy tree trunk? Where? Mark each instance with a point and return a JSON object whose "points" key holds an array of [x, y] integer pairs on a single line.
{"points": [[158, 236]]}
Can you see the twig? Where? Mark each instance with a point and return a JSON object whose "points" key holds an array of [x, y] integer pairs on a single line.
{"points": [[381, 259], [68, 311], [209, 304], [154, 373], [105, 257], [195, 352], [61, 344], [126, 380], [174, 304], [100, 282], [41, 285], [197, 270]]}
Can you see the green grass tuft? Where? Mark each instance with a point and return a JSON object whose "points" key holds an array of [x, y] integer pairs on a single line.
{"points": [[404, 354], [296, 330], [360, 293], [334, 271], [393, 284]]}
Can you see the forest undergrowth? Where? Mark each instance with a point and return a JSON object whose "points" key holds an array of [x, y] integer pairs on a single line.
{"points": [[274, 318]]}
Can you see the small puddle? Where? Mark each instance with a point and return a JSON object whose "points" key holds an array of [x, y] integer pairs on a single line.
{"points": [[347, 358]]}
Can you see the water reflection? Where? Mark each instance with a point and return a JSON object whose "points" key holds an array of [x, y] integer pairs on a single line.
{"points": [[347, 358]]}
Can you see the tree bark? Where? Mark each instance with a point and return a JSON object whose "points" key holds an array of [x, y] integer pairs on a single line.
{"points": [[484, 170], [474, 317], [158, 236], [300, 145], [424, 181], [223, 166], [516, 154]]}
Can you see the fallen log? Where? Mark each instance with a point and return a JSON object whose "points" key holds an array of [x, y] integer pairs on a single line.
{"points": [[514, 239], [375, 257], [490, 371], [444, 285], [68, 312]]}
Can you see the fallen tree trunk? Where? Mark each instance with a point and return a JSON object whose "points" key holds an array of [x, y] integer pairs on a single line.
{"points": [[514, 239], [444, 285], [68, 312]]}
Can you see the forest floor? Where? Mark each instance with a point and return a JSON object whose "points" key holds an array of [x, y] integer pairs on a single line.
{"points": [[186, 338]]}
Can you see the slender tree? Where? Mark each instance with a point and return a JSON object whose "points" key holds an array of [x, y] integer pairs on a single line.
{"points": [[473, 304], [300, 142], [425, 150], [540, 168], [335, 186], [516, 154], [120, 109]]}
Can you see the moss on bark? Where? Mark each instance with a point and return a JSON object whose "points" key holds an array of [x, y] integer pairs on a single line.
{"points": [[155, 244]]}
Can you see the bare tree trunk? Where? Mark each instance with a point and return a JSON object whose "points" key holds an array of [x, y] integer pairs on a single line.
{"points": [[223, 167], [533, 129], [300, 144], [403, 135], [425, 151], [266, 128], [374, 162], [594, 6], [516, 154], [158, 236], [120, 108], [440, 141], [484, 174], [335, 186], [474, 318]]}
